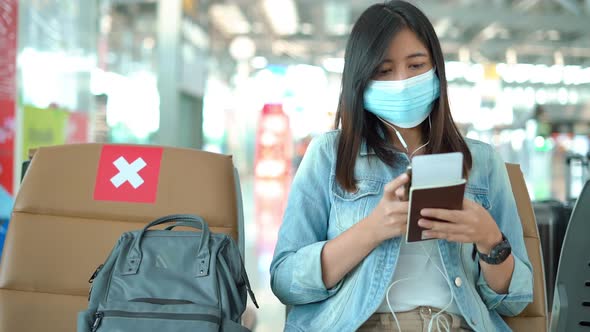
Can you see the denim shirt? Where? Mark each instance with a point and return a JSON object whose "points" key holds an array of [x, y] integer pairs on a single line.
{"points": [[319, 209]]}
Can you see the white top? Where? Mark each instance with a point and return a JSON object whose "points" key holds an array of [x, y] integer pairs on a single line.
{"points": [[426, 285]]}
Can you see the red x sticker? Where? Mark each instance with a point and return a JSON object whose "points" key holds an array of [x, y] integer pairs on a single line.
{"points": [[128, 174]]}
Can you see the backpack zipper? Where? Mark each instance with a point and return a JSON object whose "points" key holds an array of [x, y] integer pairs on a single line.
{"points": [[91, 280], [95, 273], [100, 315], [97, 320]]}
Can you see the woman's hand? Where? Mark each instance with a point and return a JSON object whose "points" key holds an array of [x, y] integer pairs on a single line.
{"points": [[341, 254], [473, 224], [390, 216]]}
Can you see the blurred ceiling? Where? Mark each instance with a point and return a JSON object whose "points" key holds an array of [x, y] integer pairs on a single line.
{"points": [[309, 31]]}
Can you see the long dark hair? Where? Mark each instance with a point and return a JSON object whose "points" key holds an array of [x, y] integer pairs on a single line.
{"points": [[366, 48]]}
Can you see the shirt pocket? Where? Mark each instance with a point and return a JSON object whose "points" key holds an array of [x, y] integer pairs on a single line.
{"points": [[351, 207], [479, 195]]}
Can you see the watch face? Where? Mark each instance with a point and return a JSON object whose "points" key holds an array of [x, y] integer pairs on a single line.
{"points": [[499, 253]]}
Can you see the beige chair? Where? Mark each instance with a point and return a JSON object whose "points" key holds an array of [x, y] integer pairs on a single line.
{"points": [[59, 233], [534, 317]]}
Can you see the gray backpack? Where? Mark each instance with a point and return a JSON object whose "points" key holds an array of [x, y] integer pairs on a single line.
{"points": [[164, 280]]}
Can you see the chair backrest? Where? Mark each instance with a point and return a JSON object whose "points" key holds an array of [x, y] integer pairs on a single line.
{"points": [[74, 204], [571, 299], [534, 316]]}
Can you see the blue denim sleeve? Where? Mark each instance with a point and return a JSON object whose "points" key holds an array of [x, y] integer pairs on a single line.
{"points": [[296, 269], [503, 210]]}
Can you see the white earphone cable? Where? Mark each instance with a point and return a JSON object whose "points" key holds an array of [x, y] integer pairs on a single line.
{"points": [[401, 139], [442, 323]]}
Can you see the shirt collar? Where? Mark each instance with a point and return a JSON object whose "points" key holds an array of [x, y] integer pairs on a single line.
{"points": [[365, 149]]}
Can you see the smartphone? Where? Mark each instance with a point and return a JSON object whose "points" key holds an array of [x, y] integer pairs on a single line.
{"points": [[407, 186]]}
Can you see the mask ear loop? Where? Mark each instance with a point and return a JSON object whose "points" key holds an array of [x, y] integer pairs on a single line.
{"points": [[401, 139]]}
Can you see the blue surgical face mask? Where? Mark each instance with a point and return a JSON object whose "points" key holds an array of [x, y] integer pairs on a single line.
{"points": [[405, 103]]}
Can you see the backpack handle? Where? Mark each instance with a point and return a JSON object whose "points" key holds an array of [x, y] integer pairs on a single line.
{"points": [[179, 224], [203, 254], [189, 220]]}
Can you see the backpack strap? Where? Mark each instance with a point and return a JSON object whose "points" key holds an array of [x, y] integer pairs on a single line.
{"points": [[248, 287]]}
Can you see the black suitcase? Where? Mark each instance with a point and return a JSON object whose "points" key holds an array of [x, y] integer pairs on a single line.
{"points": [[552, 220]]}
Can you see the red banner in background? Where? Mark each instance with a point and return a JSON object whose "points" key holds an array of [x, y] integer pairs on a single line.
{"points": [[8, 35], [272, 170], [7, 131], [77, 128], [8, 50]]}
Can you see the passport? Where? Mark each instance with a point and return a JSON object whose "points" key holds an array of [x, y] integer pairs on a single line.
{"points": [[436, 183]]}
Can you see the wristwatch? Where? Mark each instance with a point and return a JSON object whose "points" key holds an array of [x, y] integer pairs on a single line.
{"points": [[498, 254]]}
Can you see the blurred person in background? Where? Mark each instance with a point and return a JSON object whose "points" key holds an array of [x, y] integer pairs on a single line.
{"points": [[542, 121], [341, 260]]}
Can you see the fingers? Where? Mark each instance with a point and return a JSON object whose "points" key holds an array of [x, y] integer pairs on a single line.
{"points": [[446, 231], [442, 214], [389, 191], [452, 237], [469, 204], [397, 208], [438, 226], [467, 201], [400, 193]]}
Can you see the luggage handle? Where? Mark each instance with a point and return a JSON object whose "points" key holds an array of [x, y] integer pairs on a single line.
{"points": [[203, 254]]}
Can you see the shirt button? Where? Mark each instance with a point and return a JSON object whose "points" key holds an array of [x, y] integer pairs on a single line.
{"points": [[458, 282], [473, 322]]}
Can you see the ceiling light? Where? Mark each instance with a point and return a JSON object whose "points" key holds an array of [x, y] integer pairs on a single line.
{"points": [[442, 26], [229, 19], [242, 48], [464, 55], [106, 24], [511, 57], [195, 34], [340, 29], [282, 15], [558, 58], [259, 62]]}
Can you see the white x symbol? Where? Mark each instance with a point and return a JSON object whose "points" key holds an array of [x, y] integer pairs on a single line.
{"points": [[128, 172]]}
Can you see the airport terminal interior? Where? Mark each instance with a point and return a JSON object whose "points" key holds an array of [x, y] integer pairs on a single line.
{"points": [[259, 79]]}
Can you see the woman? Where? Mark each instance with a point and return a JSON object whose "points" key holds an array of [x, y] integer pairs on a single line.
{"points": [[341, 259]]}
